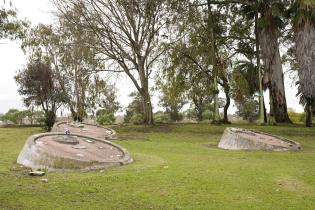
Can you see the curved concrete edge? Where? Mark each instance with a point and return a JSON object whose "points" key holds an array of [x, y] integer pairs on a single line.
{"points": [[231, 140], [111, 136], [32, 157]]}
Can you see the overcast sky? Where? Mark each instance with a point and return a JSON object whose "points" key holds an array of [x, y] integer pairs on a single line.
{"points": [[13, 59]]}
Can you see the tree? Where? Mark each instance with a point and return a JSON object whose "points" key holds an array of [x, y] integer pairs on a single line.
{"points": [[127, 37], [202, 43], [11, 115], [248, 45], [248, 109], [10, 26], [270, 26], [173, 88], [39, 87], [303, 14], [134, 108], [102, 95], [73, 62]]}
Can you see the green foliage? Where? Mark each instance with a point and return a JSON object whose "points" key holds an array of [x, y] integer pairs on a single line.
{"points": [[11, 115], [297, 117], [190, 114], [135, 107], [106, 118], [176, 166], [38, 86], [207, 115], [50, 118], [161, 118], [10, 26], [173, 89], [248, 110], [102, 94], [136, 119]]}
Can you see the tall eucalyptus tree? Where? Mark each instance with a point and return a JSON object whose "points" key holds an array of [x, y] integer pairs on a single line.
{"points": [[127, 36], [303, 12]]}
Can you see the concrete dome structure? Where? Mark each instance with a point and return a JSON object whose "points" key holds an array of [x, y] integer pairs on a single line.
{"points": [[86, 129], [58, 151], [244, 139]]}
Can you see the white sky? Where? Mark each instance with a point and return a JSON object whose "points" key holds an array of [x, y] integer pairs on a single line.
{"points": [[13, 59]]}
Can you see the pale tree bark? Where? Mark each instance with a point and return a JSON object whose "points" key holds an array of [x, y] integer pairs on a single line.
{"points": [[273, 68], [261, 117], [305, 54], [127, 36]]}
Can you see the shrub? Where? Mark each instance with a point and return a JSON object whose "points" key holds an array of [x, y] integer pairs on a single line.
{"points": [[105, 119], [136, 119], [162, 118], [207, 115], [50, 118], [248, 110], [297, 117], [190, 114]]}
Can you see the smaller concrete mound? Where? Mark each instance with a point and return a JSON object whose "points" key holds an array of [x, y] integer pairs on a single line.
{"points": [[86, 129], [244, 139]]}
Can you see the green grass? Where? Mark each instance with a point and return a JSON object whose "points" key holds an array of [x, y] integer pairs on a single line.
{"points": [[176, 167]]}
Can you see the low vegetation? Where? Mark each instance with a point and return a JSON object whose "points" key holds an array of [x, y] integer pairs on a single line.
{"points": [[176, 167]]}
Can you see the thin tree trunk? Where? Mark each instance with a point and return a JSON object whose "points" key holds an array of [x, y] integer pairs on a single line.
{"points": [[261, 118], [309, 114], [226, 107], [265, 112]]}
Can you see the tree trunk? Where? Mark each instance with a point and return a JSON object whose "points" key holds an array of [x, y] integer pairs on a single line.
{"points": [[226, 107], [271, 118], [305, 54], [273, 67], [147, 108], [309, 114], [265, 112], [261, 118]]}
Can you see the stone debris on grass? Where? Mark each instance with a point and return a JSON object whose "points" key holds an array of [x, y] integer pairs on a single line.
{"points": [[36, 173], [44, 180]]}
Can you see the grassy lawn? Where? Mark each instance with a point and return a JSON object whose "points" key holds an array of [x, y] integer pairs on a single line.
{"points": [[176, 167]]}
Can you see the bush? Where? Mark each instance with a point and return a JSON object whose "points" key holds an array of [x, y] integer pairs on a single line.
{"points": [[190, 114], [297, 117], [162, 118], [136, 119], [175, 117], [50, 118], [105, 119], [11, 115], [207, 115], [248, 110]]}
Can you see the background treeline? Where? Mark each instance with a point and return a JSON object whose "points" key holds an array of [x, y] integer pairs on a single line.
{"points": [[186, 52]]}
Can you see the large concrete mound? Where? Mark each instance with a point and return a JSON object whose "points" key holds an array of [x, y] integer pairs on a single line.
{"points": [[58, 151], [243, 139], [85, 129]]}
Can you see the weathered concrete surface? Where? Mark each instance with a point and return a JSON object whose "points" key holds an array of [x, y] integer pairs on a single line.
{"points": [[86, 129], [41, 151], [243, 139]]}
